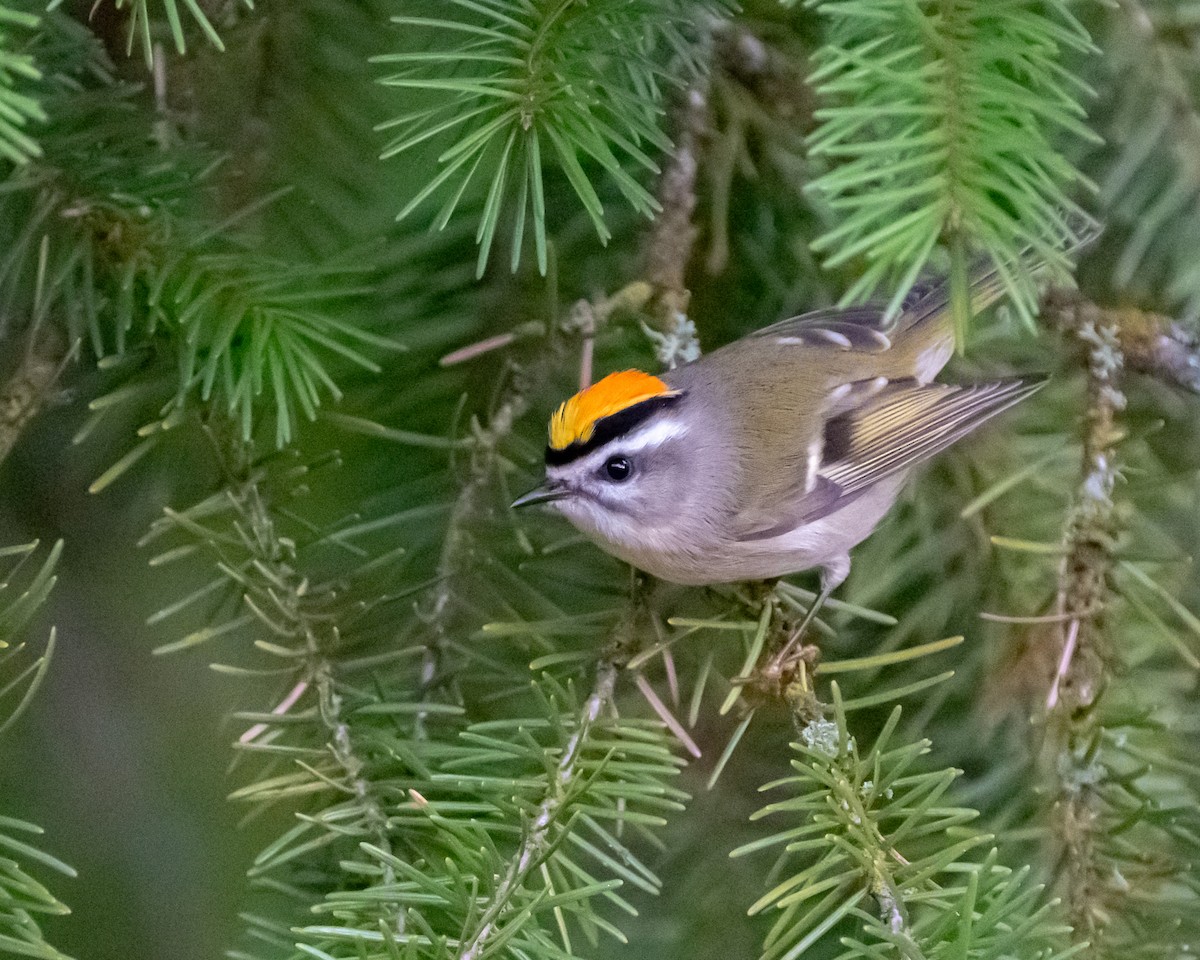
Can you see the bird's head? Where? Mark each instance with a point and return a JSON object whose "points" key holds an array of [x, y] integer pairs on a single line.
{"points": [[616, 458]]}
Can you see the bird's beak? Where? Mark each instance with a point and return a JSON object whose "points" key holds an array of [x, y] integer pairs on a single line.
{"points": [[547, 493]]}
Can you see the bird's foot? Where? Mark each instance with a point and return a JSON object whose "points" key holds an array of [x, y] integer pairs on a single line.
{"points": [[794, 658]]}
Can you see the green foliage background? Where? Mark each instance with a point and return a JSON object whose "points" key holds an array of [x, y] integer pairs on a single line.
{"points": [[238, 247]]}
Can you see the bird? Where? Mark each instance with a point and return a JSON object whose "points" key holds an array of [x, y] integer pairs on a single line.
{"points": [[777, 453]]}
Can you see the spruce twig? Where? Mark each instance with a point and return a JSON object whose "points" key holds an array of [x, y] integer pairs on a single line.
{"points": [[1083, 601], [28, 388], [921, 145], [536, 838], [453, 563], [24, 900], [1150, 342], [289, 593], [22, 396], [673, 234], [870, 824]]}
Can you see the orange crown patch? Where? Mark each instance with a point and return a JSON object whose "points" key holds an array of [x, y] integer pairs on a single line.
{"points": [[576, 419]]}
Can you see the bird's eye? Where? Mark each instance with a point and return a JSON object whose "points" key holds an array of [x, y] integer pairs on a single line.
{"points": [[618, 469]]}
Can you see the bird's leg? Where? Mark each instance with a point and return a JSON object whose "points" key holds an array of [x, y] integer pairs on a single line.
{"points": [[832, 576], [794, 641], [826, 589]]}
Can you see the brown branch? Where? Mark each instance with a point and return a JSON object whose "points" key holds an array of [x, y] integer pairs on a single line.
{"points": [[1084, 592], [1151, 343], [778, 81], [673, 235], [28, 388]]}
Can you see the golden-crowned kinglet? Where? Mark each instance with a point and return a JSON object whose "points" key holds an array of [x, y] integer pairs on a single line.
{"points": [[774, 454]]}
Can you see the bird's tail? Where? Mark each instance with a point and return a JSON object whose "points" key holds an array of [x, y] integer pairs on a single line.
{"points": [[927, 314]]}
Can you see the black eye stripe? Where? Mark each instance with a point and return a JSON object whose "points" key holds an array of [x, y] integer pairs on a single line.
{"points": [[610, 427]]}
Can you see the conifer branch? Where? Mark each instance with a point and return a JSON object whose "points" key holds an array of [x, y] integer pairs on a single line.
{"points": [[539, 84], [875, 825], [105, 252], [304, 618], [926, 149], [1118, 791], [1150, 342], [319, 636], [1149, 187], [875, 841], [19, 71], [876, 854], [454, 562], [673, 233], [24, 900], [536, 839], [26, 392], [1082, 673]]}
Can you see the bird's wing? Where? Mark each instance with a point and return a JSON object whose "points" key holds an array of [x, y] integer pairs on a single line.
{"points": [[867, 327], [908, 422], [874, 429], [856, 328]]}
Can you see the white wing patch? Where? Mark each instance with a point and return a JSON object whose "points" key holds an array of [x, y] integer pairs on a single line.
{"points": [[829, 332], [840, 339], [815, 449], [931, 360]]}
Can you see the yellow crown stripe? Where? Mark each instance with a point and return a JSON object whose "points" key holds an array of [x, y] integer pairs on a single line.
{"points": [[576, 419]]}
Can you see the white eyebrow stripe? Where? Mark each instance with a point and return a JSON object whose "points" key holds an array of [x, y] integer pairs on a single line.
{"points": [[653, 434]]}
